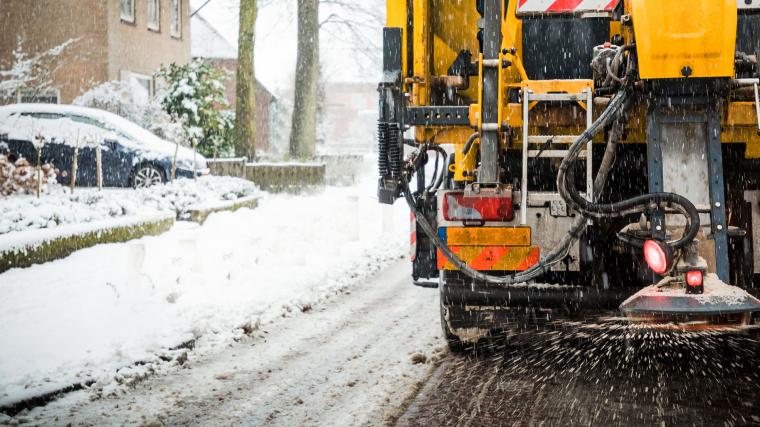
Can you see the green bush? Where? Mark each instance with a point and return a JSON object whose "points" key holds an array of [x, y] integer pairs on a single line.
{"points": [[194, 96]]}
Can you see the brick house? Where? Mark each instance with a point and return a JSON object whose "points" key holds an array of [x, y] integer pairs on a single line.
{"points": [[208, 44], [349, 117], [124, 40]]}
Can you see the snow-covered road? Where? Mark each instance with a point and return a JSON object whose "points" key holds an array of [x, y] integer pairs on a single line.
{"points": [[111, 314], [345, 362]]}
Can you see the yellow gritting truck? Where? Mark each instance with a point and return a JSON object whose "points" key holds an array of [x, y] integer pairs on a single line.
{"points": [[608, 147]]}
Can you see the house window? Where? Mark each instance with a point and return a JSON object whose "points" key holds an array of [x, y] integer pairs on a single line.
{"points": [[154, 15], [45, 96], [128, 10], [143, 85], [176, 18]]}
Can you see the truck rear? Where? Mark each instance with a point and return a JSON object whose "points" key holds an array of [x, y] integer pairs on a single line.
{"points": [[609, 148]]}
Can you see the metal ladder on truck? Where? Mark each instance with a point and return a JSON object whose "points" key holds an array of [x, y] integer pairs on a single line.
{"points": [[533, 92]]}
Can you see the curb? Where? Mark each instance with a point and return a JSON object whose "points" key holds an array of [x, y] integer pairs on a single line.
{"points": [[45, 250]]}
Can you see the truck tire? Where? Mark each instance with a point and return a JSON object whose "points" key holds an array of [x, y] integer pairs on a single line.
{"points": [[454, 343]]}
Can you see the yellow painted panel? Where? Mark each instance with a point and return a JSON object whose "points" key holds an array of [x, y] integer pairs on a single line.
{"points": [[673, 34], [488, 236], [396, 14], [558, 86]]}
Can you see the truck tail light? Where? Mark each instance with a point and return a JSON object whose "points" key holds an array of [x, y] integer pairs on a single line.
{"points": [[458, 207], [694, 282], [658, 255], [694, 278]]}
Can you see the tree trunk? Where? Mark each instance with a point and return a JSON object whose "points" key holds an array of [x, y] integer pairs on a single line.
{"points": [[245, 112], [174, 161], [39, 172], [99, 166], [303, 133], [74, 167]]}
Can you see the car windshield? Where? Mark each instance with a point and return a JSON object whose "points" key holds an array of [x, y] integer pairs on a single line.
{"points": [[99, 124], [129, 129]]}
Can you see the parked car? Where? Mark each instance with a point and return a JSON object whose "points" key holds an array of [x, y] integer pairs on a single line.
{"points": [[131, 155]]}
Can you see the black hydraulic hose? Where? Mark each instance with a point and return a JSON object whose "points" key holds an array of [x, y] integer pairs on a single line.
{"points": [[555, 255], [468, 144], [439, 178], [613, 112], [435, 173], [571, 195]]}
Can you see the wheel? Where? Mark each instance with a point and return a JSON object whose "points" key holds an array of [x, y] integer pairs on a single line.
{"points": [[146, 176], [454, 343]]}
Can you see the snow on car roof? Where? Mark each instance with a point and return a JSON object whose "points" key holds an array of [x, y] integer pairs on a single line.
{"points": [[133, 136]]}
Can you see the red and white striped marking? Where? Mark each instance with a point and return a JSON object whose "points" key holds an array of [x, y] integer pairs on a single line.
{"points": [[565, 6], [413, 237]]}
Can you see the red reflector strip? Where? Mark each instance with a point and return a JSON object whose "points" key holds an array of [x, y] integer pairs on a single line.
{"points": [[458, 207], [565, 6], [413, 236], [490, 258]]}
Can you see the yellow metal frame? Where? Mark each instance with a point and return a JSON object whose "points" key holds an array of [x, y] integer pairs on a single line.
{"points": [[674, 35], [442, 28]]}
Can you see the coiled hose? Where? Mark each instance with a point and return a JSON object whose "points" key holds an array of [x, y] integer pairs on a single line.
{"points": [[638, 204], [557, 253], [612, 115]]}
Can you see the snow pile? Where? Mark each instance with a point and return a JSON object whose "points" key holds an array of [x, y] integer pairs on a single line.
{"points": [[203, 193], [61, 130], [111, 306], [90, 128], [61, 207]]}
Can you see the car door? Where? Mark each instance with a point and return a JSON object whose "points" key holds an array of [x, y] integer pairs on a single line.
{"points": [[54, 150], [116, 161]]}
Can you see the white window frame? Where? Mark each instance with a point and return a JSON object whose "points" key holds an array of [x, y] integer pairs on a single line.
{"points": [[44, 93], [154, 25], [127, 17], [145, 79], [175, 13]]}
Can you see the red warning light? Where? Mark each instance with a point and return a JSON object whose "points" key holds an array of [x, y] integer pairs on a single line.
{"points": [[694, 278], [658, 256]]}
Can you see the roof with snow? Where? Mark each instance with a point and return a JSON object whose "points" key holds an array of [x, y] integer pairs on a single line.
{"points": [[206, 42]]}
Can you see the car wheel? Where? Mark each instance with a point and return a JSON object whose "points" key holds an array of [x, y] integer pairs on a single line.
{"points": [[146, 176]]}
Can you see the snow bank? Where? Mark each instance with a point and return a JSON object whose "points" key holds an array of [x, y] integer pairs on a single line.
{"points": [[19, 214], [109, 306], [24, 240]]}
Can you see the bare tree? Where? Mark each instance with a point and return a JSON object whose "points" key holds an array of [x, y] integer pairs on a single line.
{"points": [[245, 120], [346, 20], [303, 132], [31, 73]]}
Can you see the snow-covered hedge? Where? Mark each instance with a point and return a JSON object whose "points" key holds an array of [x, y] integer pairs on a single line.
{"points": [[60, 207], [39, 246]]}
